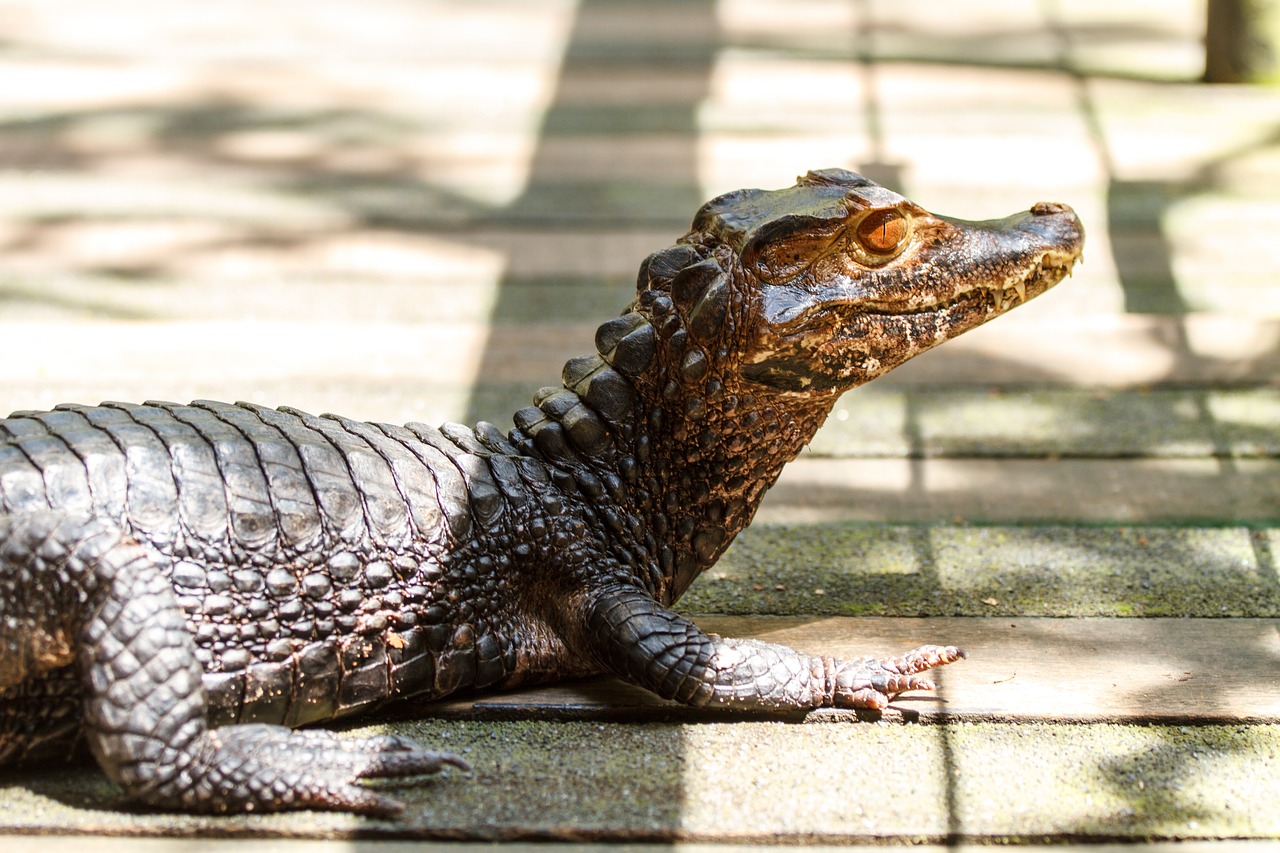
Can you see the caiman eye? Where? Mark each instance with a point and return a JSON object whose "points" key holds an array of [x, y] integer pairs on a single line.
{"points": [[882, 232]]}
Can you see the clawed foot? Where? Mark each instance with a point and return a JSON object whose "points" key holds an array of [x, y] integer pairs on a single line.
{"points": [[873, 684], [260, 768]]}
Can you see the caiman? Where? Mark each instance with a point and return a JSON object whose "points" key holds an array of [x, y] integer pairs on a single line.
{"points": [[182, 586]]}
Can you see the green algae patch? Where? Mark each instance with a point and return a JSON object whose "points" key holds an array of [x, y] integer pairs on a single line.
{"points": [[1052, 570], [1115, 781], [550, 779]]}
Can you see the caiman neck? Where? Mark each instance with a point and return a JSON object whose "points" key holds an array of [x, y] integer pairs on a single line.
{"points": [[725, 437], [725, 445], [663, 420]]}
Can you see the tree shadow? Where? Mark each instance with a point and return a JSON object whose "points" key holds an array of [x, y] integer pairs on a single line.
{"points": [[608, 59]]}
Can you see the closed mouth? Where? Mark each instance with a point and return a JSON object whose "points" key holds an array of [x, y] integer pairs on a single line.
{"points": [[1050, 269]]}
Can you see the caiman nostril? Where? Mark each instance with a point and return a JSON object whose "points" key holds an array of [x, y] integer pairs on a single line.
{"points": [[1047, 208]]}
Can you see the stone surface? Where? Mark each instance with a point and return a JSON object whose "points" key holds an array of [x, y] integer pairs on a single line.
{"points": [[861, 570], [544, 780]]}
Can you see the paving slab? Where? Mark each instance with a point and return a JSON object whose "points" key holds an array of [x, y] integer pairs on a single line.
{"points": [[811, 783], [1040, 570], [228, 356], [1093, 423], [1139, 729], [1111, 492]]}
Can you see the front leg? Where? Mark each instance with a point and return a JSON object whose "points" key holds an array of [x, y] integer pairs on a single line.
{"points": [[645, 643], [83, 591]]}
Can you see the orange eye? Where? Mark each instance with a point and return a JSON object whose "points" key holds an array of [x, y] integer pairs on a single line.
{"points": [[882, 232]]}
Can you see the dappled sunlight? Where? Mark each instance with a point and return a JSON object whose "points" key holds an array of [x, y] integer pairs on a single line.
{"points": [[279, 350], [1247, 421], [717, 793], [1189, 221], [1023, 490], [1052, 423], [262, 170], [1176, 134], [1047, 423], [289, 30], [53, 197], [1227, 339], [1138, 783], [810, 25], [1187, 781], [136, 245], [1103, 571], [936, 570], [1153, 670]]}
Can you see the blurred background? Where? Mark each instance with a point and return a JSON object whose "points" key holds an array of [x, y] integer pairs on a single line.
{"points": [[418, 210]]}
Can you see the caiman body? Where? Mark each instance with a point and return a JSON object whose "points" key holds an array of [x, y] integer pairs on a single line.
{"points": [[181, 585]]}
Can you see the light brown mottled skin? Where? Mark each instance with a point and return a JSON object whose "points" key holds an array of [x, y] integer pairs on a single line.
{"points": [[182, 585]]}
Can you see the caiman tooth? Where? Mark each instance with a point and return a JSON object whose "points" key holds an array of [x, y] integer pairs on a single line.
{"points": [[1021, 288], [996, 295]]}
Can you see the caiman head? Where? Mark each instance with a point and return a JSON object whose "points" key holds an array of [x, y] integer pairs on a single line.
{"points": [[848, 280], [744, 333], [811, 290]]}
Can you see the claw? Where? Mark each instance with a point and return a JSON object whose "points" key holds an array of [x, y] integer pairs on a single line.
{"points": [[874, 684], [360, 801], [902, 683], [261, 768], [925, 657], [868, 698], [415, 763]]}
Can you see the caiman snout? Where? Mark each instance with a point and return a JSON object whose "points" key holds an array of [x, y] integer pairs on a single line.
{"points": [[1060, 221], [1049, 225]]}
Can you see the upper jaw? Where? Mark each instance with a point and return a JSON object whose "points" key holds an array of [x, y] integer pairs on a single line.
{"points": [[1001, 262], [1021, 256]]}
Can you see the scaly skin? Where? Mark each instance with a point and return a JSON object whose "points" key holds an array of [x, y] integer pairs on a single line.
{"points": [[182, 585]]}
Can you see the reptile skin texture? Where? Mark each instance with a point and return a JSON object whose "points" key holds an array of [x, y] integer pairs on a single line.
{"points": [[183, 586]]}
